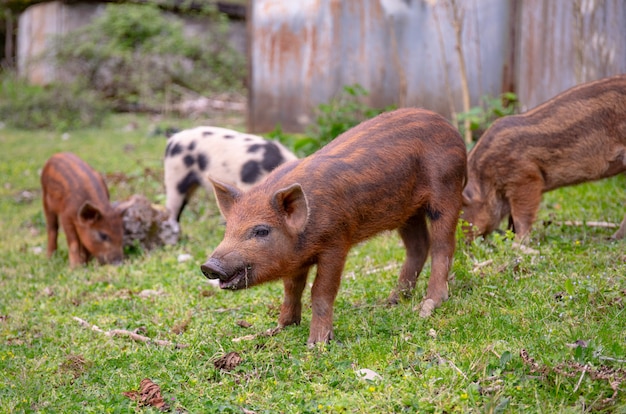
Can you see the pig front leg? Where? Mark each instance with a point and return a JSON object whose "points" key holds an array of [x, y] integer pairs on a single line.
{"points": [[414, 234], [524, 200], [291, 309], [325, 288], [52, 228], [76, 250], [621, 232]]}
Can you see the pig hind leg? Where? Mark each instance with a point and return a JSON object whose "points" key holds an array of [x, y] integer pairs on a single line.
{"points": [[443, 223], [414, 234]]}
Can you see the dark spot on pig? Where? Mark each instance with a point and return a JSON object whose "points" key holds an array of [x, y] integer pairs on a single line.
{"points": [[272, 157], [432, 214], [250, 172], [188, 160], [247, 139], [192, 146], [167, 149], [203, 162], [175, 150], [229, 136], [188, 183], [207, 133]]}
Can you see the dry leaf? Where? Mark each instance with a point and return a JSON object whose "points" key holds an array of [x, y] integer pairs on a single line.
{"points": [[228, 361], [149, 394], [182, 325], [244, 324], [76, 364]]}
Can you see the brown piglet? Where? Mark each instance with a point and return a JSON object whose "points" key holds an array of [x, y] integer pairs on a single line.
{"points": [[76, 196], [577, 136], [394, 171]]}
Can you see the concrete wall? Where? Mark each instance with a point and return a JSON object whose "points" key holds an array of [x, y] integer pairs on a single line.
{"points": [[41, 22], [36, 28]]}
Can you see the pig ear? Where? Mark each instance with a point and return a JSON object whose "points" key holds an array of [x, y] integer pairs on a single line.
{"points": [[469, 195], [121, 206], [226, 196], [88, 213], [292, 204]]}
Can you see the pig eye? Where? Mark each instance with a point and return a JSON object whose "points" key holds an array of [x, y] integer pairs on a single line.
{"points": [[103, 237], [260, 231]]}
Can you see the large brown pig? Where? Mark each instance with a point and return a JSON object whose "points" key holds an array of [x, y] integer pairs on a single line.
{"points": [[392, 171], [577, 136], [77, 196]]}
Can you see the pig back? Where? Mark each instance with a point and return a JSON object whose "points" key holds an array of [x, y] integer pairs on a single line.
{"points": [[68, 182], [377, 175], [577, 136]]}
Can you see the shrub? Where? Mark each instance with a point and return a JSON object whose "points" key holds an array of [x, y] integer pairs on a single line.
{"points": [[337, 116], [481, 117], [60, 107], [139, 59]]}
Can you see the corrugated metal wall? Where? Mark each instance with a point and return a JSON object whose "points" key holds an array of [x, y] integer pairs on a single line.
{"points": [[302, 52], [403, 52], [567, 42]]}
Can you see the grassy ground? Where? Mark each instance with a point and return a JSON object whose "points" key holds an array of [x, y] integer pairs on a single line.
{"points": [[563, 307]]}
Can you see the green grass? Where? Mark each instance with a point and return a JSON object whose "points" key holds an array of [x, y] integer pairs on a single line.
{"points": [[465, 358]]}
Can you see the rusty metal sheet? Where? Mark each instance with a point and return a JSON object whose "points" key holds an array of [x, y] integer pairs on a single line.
{"points": [[564, 43], [403, 52]]}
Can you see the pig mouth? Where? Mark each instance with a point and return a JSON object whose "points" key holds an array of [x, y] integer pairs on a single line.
{"points": [[233, 279], [239, 280]]}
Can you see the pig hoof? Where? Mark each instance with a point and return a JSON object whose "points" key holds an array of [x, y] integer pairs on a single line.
{"points": [[393, 299], [319, 339], [427, 308]]}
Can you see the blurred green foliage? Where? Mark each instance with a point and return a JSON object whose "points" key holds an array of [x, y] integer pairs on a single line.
{"points": [[482, 116]]}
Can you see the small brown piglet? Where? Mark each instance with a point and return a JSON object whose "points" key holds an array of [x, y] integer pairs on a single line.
{"points": [[392, 171], [76, 196], [577, 136]]}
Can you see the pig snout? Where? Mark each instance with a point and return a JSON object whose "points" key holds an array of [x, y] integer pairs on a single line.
{"points": [[232, 276], [112, 259], [213, 269]]}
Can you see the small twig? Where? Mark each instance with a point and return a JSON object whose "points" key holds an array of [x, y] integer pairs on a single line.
{"points": [[606, 358], [381, 269], [582, 374], [269, 332], [480, 265], [132, 335], [524, 249], [443, 360]]}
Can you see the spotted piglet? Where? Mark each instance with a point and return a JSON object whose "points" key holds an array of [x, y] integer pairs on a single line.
{"points": [[194, 155]]}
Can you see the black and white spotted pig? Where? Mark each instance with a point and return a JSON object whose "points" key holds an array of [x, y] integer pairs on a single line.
{"points": [[194, 155]]}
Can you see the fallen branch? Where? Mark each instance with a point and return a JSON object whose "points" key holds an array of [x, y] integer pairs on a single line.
{"points": [[603, 224], [615, 377], [132, 335]]}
